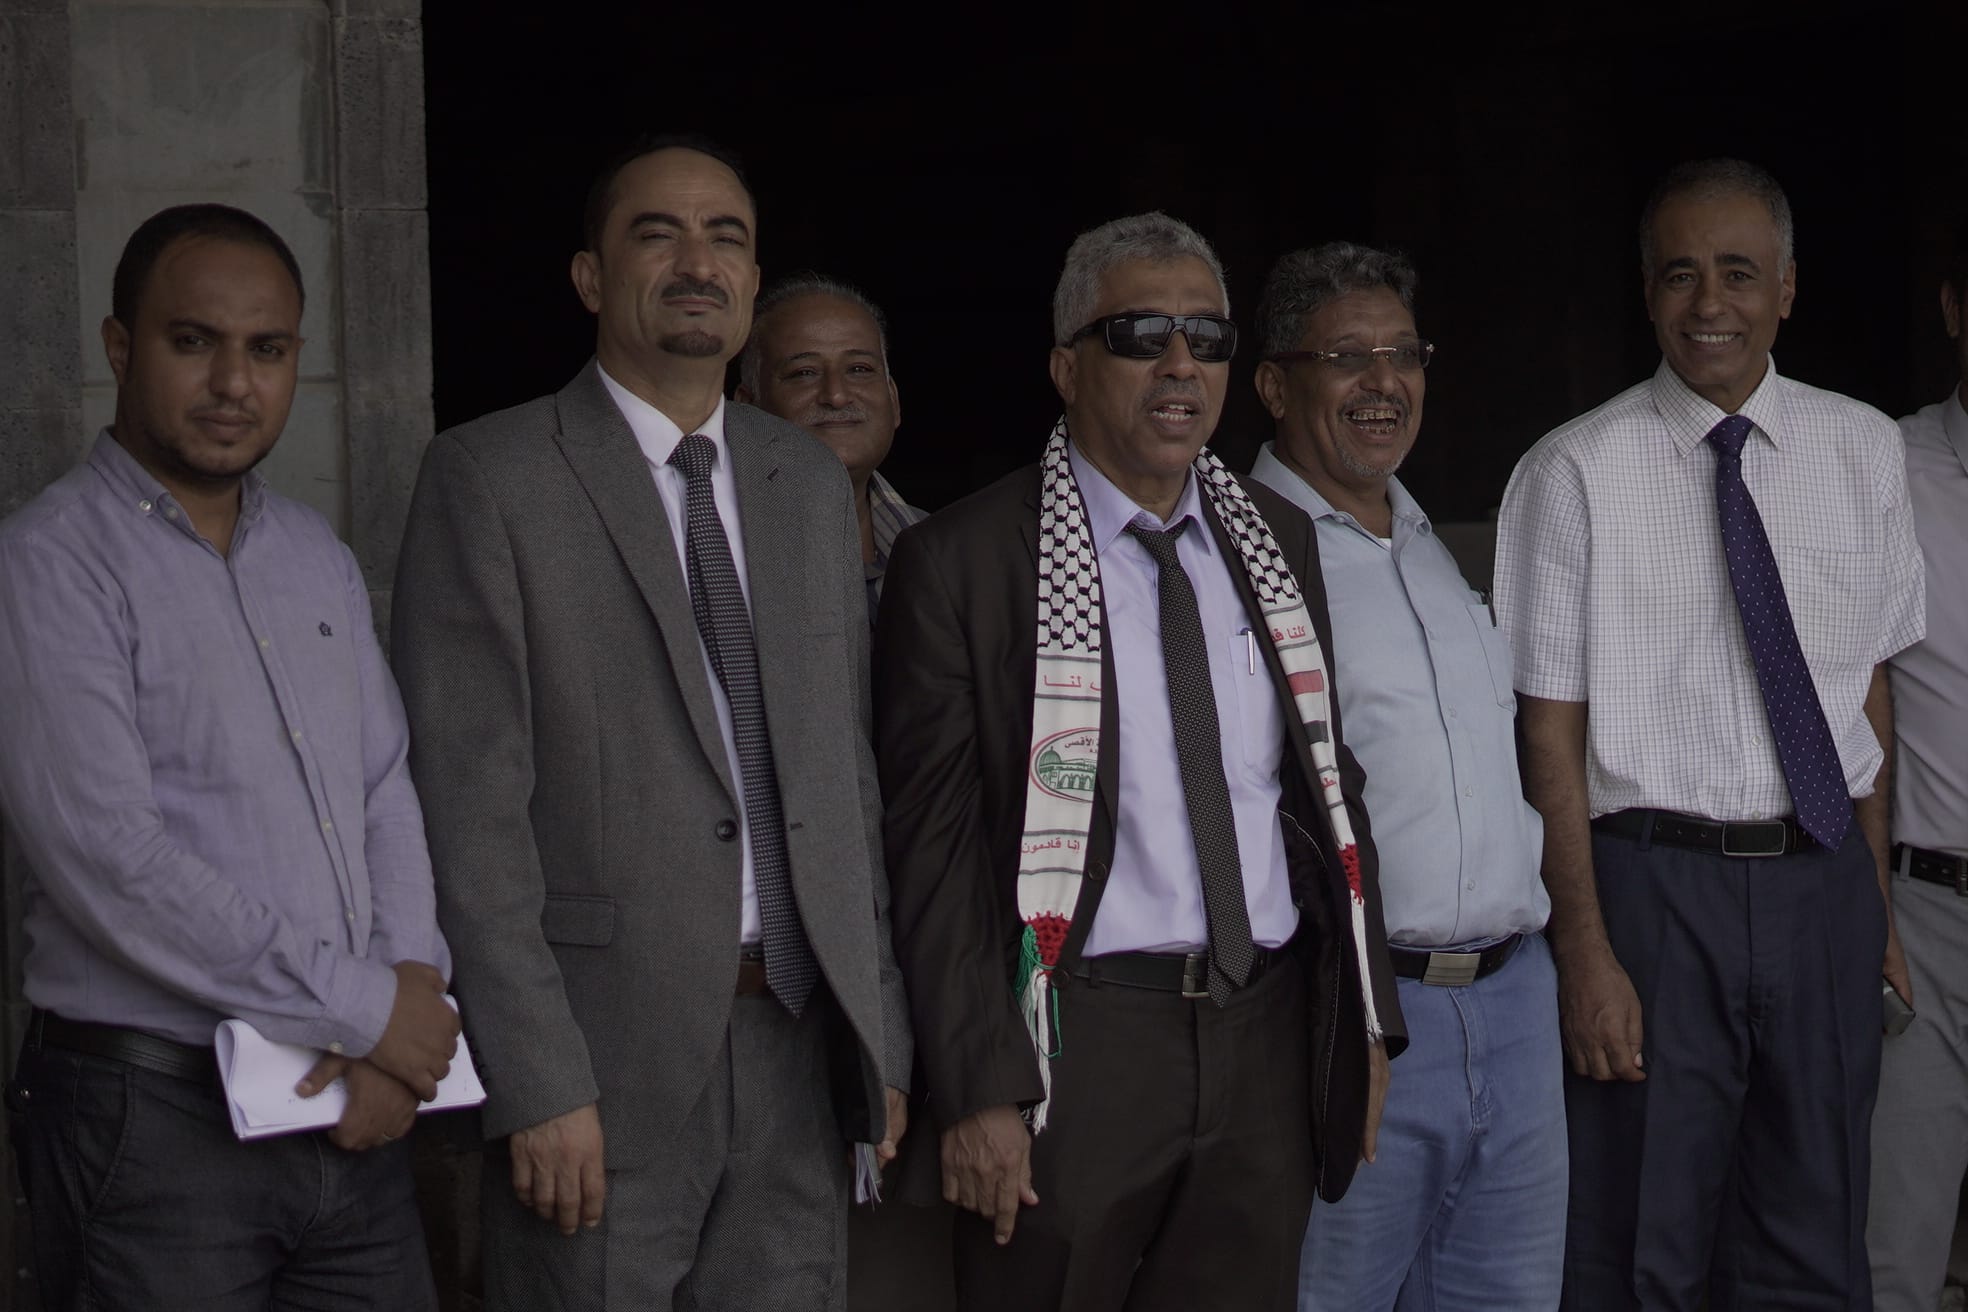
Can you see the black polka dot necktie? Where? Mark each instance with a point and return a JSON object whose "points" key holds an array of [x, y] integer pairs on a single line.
{"points": [[1805, 747], [726, 627], [1199, 756]]}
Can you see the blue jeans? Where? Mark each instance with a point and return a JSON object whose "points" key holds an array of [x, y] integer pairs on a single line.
{"points": [[141, 1198], [1464, 1206]]}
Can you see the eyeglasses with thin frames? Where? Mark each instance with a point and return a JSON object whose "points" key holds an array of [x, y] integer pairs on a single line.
{"points": [[1409, 357]]}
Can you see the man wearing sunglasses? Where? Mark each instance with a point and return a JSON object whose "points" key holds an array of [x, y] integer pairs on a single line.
{"points": [[1465, 1205], [1134, 891]]}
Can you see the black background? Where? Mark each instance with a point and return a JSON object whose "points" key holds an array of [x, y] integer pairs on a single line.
{"points": [[944, 159]]}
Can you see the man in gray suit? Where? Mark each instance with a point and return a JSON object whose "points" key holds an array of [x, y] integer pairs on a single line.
{"points": [[629, 629]]}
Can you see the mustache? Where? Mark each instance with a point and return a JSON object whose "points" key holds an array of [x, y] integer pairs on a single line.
{"points": [[686, 285], [1360, 400], [1186, 388], [850, 414]]}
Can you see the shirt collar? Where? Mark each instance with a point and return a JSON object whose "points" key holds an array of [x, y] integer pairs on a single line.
{"points": [[1110, 510], [138, 488], [1689, 417], [655, 432], [888, 515], [1282, 478]]}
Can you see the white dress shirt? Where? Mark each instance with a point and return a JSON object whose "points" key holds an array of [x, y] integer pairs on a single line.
{"points": [[1423, 674], [1930, 678], [1612, 587], [658, 436], [1154, 897]]}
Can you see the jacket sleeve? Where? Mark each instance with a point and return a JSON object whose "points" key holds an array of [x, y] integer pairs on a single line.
{"points": [[950, 934], [460, 655]]}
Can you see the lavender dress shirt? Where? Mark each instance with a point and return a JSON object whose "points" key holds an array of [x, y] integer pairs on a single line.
{"points": [[204, 765], [1154, 897]]}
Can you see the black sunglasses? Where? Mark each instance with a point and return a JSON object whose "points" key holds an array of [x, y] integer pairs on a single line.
{"points": [[1212, 338]]}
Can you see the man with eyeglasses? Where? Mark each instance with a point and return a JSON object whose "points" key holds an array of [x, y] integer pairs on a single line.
{"points": [[1135, 897], [1702, 581], [1464, 1206]]}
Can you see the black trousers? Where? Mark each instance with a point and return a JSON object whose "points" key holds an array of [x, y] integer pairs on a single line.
{"points": [[1175, 1173], [1738, 1170]]}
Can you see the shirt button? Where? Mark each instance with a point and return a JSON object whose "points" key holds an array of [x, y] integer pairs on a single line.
{"points": [[144, 505], [327, 826], [336, 1047], [297, 735], [1471, 886], [170, 512], [1452, 712], [726, 830], [349, 916], [1469, 791], [264, 644]]}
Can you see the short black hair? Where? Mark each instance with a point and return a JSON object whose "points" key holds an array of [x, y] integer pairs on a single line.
{"points": [[156, 234], [601, 192]]}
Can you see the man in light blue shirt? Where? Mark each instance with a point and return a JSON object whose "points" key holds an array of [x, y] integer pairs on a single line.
{"points": [[1465, 1204]]}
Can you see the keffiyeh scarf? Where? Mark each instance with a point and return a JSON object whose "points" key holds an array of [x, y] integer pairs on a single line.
{"points": [[1061, 768]]}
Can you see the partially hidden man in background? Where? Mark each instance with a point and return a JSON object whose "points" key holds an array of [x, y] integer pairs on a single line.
{"points": [[631, 632], [1701, 581], [205, 766], [818, 356], [1465, 1205], [1920, 1127], [1135, 892]]}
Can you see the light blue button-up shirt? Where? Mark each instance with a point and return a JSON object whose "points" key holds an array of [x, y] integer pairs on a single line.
{"points": [[1154, 897], [1425, 696]]}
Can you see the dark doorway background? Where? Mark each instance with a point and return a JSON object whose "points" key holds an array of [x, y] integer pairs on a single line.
{"points": [[945, 160]]}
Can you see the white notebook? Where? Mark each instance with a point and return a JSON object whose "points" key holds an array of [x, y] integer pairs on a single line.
{"points": [[260, 1076]]}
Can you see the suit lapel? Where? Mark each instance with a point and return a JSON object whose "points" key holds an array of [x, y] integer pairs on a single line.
{"points": [[604, 456]]}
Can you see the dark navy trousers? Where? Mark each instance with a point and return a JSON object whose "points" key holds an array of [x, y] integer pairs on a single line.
{"points": [[1738, 1170]]}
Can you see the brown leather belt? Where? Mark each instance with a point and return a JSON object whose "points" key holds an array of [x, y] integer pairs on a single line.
{"points": [[1933, 867], [751, 972], [183, 1061]]}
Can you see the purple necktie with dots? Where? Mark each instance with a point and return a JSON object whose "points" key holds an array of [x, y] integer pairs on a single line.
{"points": [[1797, 720]]}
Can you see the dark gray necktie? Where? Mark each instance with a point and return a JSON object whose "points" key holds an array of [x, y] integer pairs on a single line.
{"points": [[1199, 755], [1805, 748], [726, 627]]}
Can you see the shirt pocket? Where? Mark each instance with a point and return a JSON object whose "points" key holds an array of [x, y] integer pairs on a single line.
{"points": [[1834, 597], [1260, 716], [1496, 653]]}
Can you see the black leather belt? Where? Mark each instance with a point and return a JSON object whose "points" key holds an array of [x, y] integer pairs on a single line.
{"points": [[1186, 973], [182, 1061], [1933, 867], [751, 972], [1730, 838], [1452, 969]]}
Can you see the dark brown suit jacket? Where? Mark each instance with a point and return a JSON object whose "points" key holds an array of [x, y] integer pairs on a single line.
{"points": [[956, 654]]}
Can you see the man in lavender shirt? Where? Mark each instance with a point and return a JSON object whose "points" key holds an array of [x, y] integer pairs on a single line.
{"points": [[204, 766]]}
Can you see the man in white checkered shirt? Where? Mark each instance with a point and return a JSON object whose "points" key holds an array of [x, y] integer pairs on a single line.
{"points": [[1719, 970]]}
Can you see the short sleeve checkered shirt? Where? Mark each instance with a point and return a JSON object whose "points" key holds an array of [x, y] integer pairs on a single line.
{"points": [[1611, 584]]}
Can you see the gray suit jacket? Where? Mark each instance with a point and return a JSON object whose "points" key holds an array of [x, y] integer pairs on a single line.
{"points": [[573, 772]]}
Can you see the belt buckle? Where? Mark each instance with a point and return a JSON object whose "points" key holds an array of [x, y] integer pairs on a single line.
{"points": [[1195, 975], [1733, 833], [1452, 970]]}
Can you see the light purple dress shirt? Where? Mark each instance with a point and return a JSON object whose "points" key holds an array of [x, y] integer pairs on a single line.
{"points": [[204, 763], [1154, 897]]}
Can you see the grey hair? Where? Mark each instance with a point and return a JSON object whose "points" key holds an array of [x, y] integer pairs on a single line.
{"points": [[1706, 179], [1154, 237], [1303, 282], [792, 287]]}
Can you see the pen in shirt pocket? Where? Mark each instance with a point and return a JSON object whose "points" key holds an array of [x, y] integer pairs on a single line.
{"points": [[1488, 599], [1250, 648]]}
